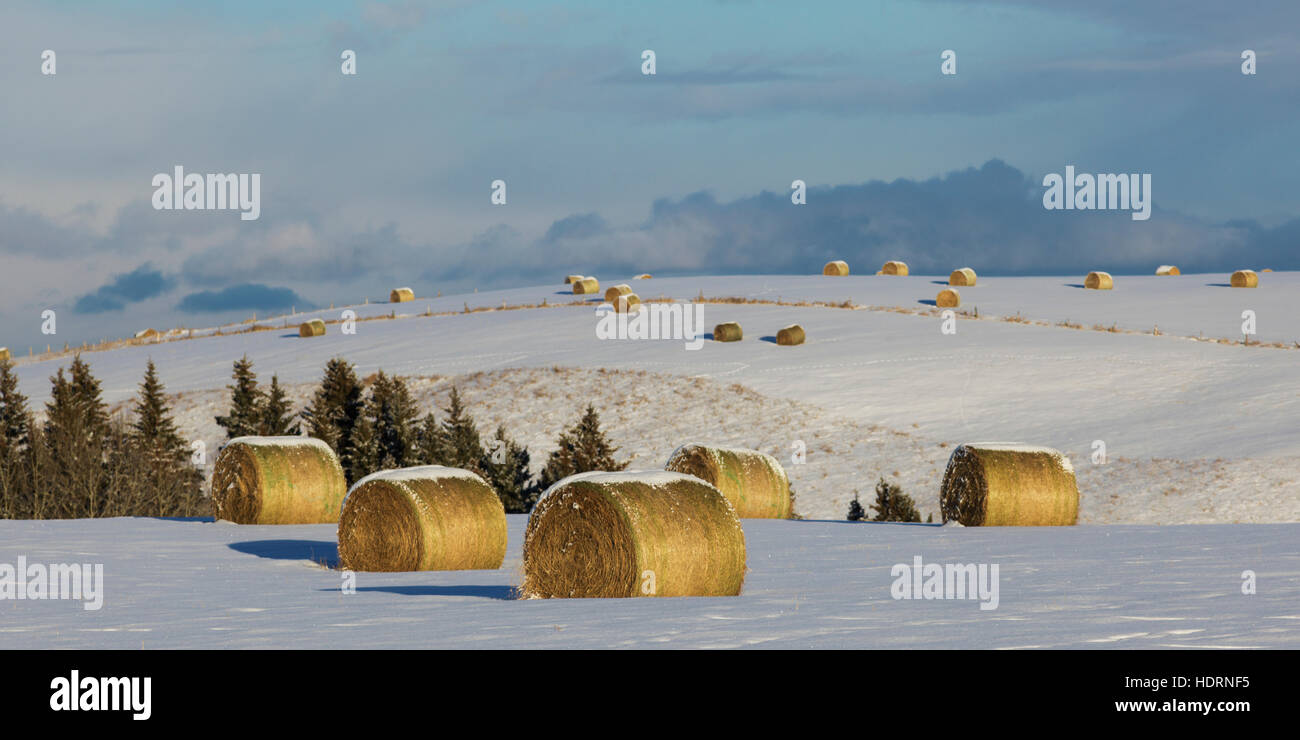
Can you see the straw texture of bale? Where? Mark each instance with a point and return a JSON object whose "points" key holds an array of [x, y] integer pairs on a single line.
{"points": [[571, 279], [1244, 279], [4, 354], [754, 482], [615, 291], [948, 298], [278, 480], [963, 277], [586, 286], [313, 328], [422, 518], [1168, 270], [791, 335], [894, 267], [629, 303], [728, 332], [612, 534], [1099, 281], [401, 295], [996, 485], [838, 268]]}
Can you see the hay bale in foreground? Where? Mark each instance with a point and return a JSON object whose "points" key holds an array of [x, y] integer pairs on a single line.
{"points": [[630, 303], [278, 480], [790, 336], [998, 485], [401, 295], [754, 482], [571, 279], [728, 332], [615, 291], [894, 267], [1099, 281], [963, 277], [313, 328], [948, 298], [586, 286], [422, 518], [838, 268], [1168, 270], [633, 534], [1244, 279]]}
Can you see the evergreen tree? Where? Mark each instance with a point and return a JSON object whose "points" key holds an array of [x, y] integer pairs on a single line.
{"points": [[154, 432], [505, 467], [856, 512], [335, 408], [277, 413], [393, 413], [73, 469], [85, 390], [363, 458], [429, 447], [245, 417], [13, 411], [462, 447], [892, 505], [580, 449]]}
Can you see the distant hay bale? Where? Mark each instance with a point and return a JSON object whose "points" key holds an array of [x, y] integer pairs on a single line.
{"points": [[313, 328], [643, 276], [1267, 269], [963, 277], [401, 295], [630, 303], [1244, 279], [633, 534], [838, 268], [586, 286], [791, 335], [894, 267], [728, 332], [147, 334], [754, 482], [4, 354], [997, 485], [615, 291], [571, 279], [1168, 270], [948, 298], [1099, 281], [278, 480], [422, 518]]}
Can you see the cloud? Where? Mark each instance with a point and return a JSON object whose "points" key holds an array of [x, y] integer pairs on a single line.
{"points": [[140, 284], [247, 296]]}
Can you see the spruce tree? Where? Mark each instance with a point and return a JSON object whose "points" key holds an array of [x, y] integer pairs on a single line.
{"points": [[856, 512], [892, 505], [85, 389], [580, 449], [154, 431], [393, 413], [73, 470], [505, 467], [335, 408], [429, 447], [462, 447], [13, 411], [363, 457], [277, 412], [245, 417]]}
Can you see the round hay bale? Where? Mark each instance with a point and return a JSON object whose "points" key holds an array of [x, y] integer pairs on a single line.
{"points": [[401, 295], [4, 354], [948, 298], [1168, 270], [894, 267], [964, 277], [838, 268], [422, 518], [278, 480], [1244, 279], [1267, 269], [630, 303], [633, 534], [313, 328], [998, 485], [615, 291], [728, 332], [586, 286], [571, 279], [790, 336], [643, 276], [1099, 281], [147, 334], [754, 482]]}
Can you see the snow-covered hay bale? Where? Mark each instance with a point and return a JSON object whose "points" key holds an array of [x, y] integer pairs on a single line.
{"points": [[838, 268], [790, 335], [948, 298], [643, 276], [571, 279], [147, 334], [633, 534], [629, 303], [754, 482], [728, 332], [894, 267], [586, 286], [1244, 279], [614, 291], [313, 328], [1267, 269], [401, 295], [1099, 281], [278, 480], [1168, 270], [4, 354], [962, 278], [422, 518], [998, 485]]}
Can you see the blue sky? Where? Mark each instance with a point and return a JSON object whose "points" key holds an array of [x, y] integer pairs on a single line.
{"points": [[383, 178]]}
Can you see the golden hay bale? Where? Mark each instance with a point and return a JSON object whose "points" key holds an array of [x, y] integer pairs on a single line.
{"points": [[1168, 270], [643, 276], [1244, 279], [997, 485], [633, 534], [1099, 281], [791, 335], [571, 279], [839, 268], [313, 328], [630, 303], [963, 277], [754, 482], [728, 332], [615, 291], [147, 334], [894, 267], [4, 354], [586, 286], [278, 480], [401, 295], [1267, 269], [422, 518], [948, 298]]}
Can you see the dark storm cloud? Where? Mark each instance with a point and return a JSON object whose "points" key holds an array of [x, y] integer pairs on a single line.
{"points": [[140, 284], [248, 296]]}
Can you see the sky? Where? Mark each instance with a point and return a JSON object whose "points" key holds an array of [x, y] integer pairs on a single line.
{"points": [[384, 178]]}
